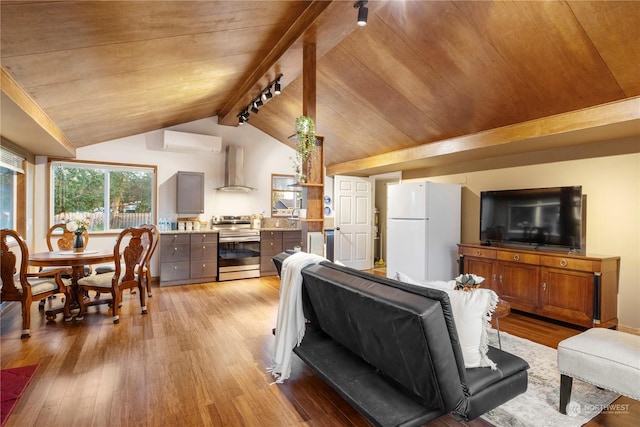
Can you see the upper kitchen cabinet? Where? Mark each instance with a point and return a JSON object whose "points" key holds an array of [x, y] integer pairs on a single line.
{"points": [[190, 193]]}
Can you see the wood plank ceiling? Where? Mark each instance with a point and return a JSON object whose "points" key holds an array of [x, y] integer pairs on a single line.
{"points": [[418, 73]]}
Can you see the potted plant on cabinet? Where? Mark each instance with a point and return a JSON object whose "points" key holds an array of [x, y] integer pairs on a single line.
{"points": [[305, 144]]}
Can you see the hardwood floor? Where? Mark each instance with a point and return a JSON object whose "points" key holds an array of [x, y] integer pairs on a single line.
{"points": [[197, 359]]}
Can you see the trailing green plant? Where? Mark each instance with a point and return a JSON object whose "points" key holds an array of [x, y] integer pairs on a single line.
{"points": [[306, 143]]}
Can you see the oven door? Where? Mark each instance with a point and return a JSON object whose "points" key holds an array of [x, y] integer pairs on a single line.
{"points": [[238, 259]]}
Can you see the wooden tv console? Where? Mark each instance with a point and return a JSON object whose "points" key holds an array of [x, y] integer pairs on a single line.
{"points": [[573, 288]]}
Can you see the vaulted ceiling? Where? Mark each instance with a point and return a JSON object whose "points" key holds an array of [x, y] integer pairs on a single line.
{"points": [[421, 79]]}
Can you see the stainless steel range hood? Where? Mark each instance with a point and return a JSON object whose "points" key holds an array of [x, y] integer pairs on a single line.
{"points": [[234, 170]]}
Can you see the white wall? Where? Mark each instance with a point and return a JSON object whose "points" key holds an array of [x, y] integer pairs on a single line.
{"points": [[612, 186], [263, 156]]}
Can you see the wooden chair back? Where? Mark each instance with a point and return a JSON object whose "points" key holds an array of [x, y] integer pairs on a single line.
{"points": [[146, 271], [23, 291], [12, 263], [63, 242], [132, 248]]}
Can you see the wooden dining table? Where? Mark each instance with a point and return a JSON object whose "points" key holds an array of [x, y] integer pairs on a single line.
{"points": [[77, 261]]}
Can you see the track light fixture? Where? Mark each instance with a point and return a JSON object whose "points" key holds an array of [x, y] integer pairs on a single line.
{"points": [[243, 116], [363, 12], [265, 95], [277, 87]]}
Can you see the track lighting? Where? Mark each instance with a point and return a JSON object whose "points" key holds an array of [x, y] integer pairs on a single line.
{"points": [[363, 12], [259, 101], [277, 86], [243, 116]]}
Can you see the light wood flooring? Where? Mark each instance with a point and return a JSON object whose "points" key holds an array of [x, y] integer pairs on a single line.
{"points": [[198, 358]]}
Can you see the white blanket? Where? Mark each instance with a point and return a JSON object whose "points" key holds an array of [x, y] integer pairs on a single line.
{"points": [[290, 324]]}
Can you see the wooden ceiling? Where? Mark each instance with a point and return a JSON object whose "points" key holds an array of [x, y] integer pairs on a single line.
{"points": [[421, 73]]}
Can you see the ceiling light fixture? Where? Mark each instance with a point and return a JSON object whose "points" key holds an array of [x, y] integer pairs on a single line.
{"points": [[265, 95], [277, 87], [363, 12]]}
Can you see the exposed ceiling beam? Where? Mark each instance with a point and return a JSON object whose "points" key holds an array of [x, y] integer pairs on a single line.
{"points": [[243, 95], [23, 120], [601, 123]]}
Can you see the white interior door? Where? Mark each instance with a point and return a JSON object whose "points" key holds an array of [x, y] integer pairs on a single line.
{"points": [[353, 244]]}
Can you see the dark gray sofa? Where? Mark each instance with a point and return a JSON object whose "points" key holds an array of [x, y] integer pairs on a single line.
{"points": [[391, 349]]}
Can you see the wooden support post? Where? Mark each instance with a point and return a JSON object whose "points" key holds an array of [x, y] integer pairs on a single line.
{"points": [[314, 188]]}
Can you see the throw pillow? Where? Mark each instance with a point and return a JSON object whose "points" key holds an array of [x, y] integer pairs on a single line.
{"points": [[472, 315], [438, 284]]}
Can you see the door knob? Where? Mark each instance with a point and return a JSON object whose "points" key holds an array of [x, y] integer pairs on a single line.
{"points": [[337, 228]]}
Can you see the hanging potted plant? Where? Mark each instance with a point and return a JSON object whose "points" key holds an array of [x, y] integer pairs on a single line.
{"points": [[306, 143]]}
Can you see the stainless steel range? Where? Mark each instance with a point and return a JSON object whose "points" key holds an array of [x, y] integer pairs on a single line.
{"points": [[238, 247]]}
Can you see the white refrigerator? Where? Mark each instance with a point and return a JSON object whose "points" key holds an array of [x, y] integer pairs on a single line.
{"points": [[423, 230]]}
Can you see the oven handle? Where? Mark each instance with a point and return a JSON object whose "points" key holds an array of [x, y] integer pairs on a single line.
{"points": [[239, 239]]}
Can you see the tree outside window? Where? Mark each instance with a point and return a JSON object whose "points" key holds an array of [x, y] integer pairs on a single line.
{"points": [[112, 196]]}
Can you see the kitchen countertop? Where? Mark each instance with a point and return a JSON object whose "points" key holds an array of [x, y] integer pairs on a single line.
{"points": [[279, 229]]}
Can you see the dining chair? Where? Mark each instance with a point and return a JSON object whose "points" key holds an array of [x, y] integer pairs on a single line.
{"points": [[146, 269], [131, 250], [20, 285], [63, 242]]}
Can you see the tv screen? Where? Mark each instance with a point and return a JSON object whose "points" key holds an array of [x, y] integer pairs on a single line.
{"points": [[540, 217]]}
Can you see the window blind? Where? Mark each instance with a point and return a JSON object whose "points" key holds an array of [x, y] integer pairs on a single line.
{"points": [[11, 160]]}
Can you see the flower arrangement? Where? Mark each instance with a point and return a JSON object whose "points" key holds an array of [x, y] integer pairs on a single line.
{"points": [[468, 282], [78, 224]]}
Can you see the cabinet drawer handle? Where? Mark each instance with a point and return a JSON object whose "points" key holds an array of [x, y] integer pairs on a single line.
{"points": [[516, 257], [175, 267], [544, 286], [204, 265], [563, 262], [204, 247], [478, 253], [175, 249]]}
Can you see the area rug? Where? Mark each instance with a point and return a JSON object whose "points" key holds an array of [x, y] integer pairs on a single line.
{"points": [[538, 406], [13, 382]]}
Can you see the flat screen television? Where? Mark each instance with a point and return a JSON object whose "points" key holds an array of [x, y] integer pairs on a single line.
{"points": [[538, 217]]}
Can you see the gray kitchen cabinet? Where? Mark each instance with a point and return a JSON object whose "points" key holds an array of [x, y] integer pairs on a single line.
{"points": [[204, 255], [272, 243], [187, 258], [190, 193]]}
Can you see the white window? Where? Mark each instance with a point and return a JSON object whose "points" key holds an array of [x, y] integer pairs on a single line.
{"points": [[10, 165], [112, 196]]}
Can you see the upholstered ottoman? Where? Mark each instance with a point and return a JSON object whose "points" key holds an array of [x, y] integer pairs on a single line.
{"points": [[603, 357]]}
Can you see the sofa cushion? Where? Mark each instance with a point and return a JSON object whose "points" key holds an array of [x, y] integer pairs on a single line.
{"points": [[472, 313]]}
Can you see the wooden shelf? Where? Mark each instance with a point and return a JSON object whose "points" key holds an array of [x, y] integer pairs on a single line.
{"points": [[306, 184], [311, 219]]}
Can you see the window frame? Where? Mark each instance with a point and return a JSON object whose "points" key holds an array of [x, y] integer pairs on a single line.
{"points": [[111, 167], [17, 164], [297, 193]]}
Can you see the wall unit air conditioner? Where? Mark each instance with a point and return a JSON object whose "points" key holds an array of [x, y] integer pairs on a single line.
{"points": [[190, 142]]}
